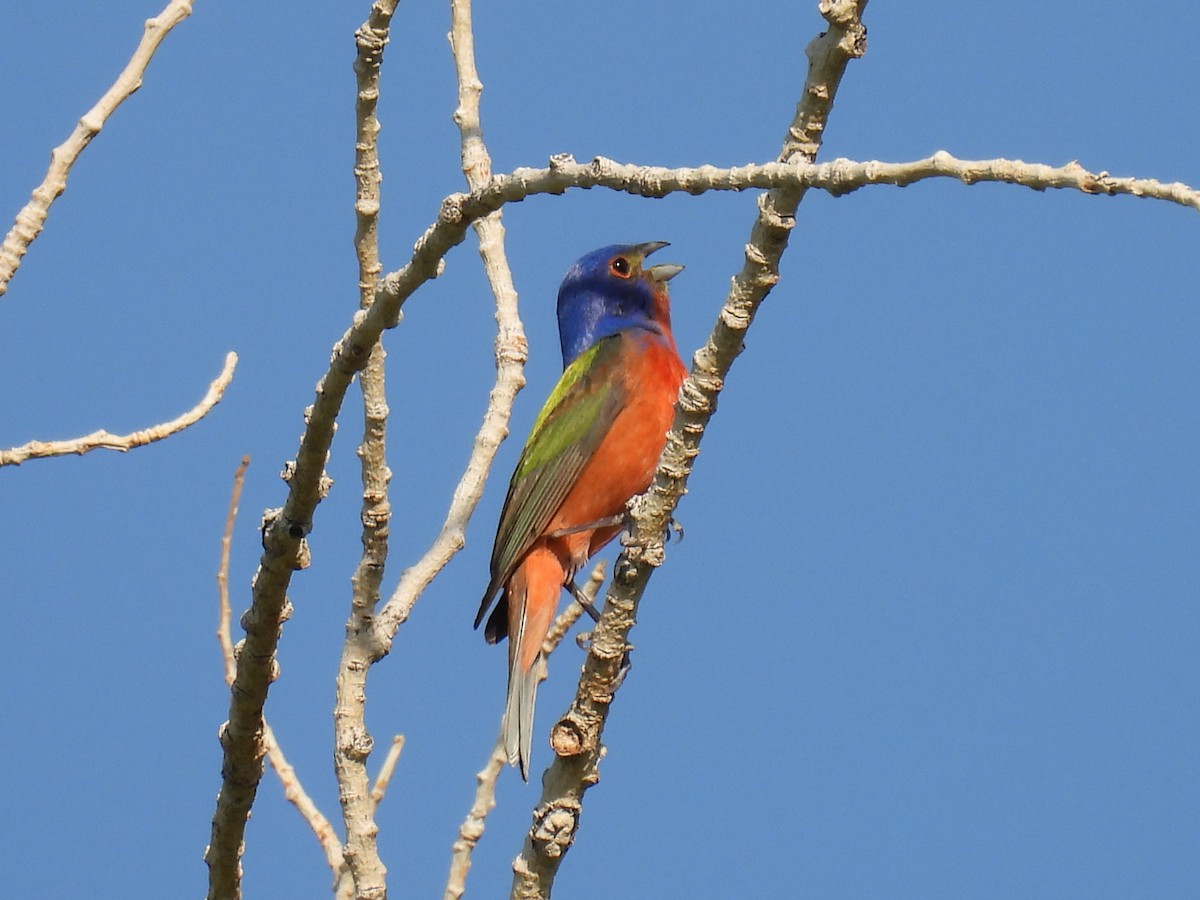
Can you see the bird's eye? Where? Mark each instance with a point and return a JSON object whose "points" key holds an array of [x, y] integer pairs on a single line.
{"points": [[620, 267]]}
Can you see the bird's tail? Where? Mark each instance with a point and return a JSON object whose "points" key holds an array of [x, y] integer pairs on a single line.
{"points": [[518, 717], [532, 596]]}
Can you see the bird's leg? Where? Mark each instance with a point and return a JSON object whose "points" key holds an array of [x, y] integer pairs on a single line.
{"points": [[606, 522], [585, 639], [582, 600]]}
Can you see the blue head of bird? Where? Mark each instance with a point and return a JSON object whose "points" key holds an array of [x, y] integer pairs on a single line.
{"points": [[611, 290]]}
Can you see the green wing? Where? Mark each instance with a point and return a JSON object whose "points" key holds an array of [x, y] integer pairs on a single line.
{"points": [[570, 427]]}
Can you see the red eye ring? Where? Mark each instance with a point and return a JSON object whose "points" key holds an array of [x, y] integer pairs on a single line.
{"points": [[620, 267]]}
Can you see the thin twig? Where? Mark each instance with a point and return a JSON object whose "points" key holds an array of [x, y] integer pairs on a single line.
{"points": [[103, 440], [576, 736], [32, 218], [387, 770], [224, 609], [472, 827], [294, 793]]}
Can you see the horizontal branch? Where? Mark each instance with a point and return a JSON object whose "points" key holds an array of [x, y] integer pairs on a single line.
{"points": [[837, 177], [840, 176], [123, 443]]}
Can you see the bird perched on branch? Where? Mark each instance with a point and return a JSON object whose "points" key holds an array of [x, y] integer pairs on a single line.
{"points": [[594, 445]]}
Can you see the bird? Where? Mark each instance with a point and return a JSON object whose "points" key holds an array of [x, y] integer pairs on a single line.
{"points": [[594, 445]]}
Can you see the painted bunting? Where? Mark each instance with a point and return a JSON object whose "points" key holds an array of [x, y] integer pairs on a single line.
{"points": [[594, 445]]}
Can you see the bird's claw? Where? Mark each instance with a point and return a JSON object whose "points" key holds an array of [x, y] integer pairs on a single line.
{"points": [[624, 667]]}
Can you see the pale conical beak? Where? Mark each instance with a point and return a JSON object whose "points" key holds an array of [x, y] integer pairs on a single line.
{"points": [[660, 273], [664, 273]]}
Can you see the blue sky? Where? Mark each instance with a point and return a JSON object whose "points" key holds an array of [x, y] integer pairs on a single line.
{"points": [[933, 629]]}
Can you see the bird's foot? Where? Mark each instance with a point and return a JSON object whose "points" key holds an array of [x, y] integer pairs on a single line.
{"points": [[623, 669]]}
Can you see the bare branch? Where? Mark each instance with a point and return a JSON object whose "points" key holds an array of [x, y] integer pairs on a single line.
{"points": [[32, 218], [472, 827], [511, 347], [294, 793], [352, 741], [224, 610], [792, 174], [840, 176], [293, 790], [103, 440], [343, 888], [387, 770], [576, 736]]}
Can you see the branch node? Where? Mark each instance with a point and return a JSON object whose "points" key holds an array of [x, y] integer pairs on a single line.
{"points": [[451, 212], [554, 827], [567, 738], [356, 743]]}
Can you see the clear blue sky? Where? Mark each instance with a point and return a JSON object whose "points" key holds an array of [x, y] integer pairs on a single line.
{"points": [[933, 630]]}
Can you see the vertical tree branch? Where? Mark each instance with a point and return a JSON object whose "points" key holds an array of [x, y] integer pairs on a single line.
{"points": [[224, 610], [32, 218], [511, 348], [293, 790], [352, 740], [344, 886], [576, 736]]}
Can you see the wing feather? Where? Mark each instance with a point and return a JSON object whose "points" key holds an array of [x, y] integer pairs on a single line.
{"points": [[572, 424]]}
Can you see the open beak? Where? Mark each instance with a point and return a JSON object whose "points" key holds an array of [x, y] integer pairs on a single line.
{"points": [[663, 272]]}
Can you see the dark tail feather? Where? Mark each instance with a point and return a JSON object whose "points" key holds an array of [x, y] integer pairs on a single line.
{"points": [[488, 596]]}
